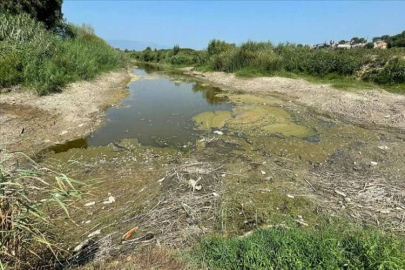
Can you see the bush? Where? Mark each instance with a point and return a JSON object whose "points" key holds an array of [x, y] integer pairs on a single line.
{"points": [[393, 72], [263, 58], [298, 248], [35, 57]]}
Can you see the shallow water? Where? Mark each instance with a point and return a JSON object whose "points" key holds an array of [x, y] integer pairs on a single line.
{"points": [[157, 112]]}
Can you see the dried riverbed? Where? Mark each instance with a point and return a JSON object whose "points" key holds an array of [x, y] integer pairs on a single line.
{"points": [[256, 161]]}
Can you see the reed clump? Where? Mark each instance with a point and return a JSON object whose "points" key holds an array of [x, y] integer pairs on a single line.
{"points": [[29, 194], [35, 57]]}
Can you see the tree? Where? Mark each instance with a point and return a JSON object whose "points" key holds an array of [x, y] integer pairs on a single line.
{"points": [[342, 41], [47, 11], [370, 45], [176, 49]]}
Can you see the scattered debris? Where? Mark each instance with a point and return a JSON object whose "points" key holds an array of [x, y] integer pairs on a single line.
{"points": [[373, 163], [94, 233], [301, 221], [218, 132], [194, 184], [263, 172], [63, 133], [290, 196], [129, 233], [82, 245], [383, 147], [90, 203], [340, 193], [145, 238], [161, 180], [111, 199]]}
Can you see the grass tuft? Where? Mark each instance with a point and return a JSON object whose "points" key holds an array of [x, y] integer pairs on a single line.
{"points": [[27, 196], [326, 247]]}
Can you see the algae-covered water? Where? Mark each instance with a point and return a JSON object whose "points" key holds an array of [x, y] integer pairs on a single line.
{"points": [[165, 109]]}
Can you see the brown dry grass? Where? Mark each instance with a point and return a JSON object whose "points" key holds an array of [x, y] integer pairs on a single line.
{"points": [[150, 258]]}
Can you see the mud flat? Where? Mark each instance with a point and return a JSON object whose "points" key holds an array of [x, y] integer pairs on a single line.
{"points": [[30, 123], [371, 107]]}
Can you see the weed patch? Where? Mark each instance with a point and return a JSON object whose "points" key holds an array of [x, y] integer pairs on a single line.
{"points": [[292, 247]]}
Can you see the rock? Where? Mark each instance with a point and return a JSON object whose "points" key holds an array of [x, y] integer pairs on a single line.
{"points": [[90, 203], [94, 233], [263, 172]]}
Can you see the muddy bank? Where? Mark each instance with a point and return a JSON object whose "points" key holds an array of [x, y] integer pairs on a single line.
{"points": [[30, 123], [374, 107]]}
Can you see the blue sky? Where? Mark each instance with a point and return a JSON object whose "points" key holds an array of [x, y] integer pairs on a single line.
{"points": [[193, 23]]}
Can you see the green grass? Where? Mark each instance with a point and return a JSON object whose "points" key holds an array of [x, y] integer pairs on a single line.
{"points": [[325, 247], [35, 57], [336, 81]]}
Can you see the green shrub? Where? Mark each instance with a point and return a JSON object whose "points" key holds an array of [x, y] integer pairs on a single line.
{"points": [[393, 72], [263, 58], [217, 46], [35, 57], [298, 248]]}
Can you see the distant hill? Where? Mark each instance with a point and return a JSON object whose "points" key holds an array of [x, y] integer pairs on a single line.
{"points": [[135, 45]]}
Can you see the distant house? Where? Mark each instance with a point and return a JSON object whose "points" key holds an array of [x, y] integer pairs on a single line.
{"points": [[359, 45], [345, 46], [380, 44]]}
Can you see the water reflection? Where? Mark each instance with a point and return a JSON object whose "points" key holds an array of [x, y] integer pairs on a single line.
{"points": [[209, 93], [157, 112]]}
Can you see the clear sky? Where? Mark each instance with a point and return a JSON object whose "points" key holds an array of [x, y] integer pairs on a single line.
{"points": [[193, 23]]}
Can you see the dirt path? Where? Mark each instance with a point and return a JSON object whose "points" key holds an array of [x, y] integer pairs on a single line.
{"points": [[30, 123], [365, 108]]}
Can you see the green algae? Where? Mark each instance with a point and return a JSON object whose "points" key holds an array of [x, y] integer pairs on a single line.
{"points": [[268, 120], [209, 120], [252, 117]]}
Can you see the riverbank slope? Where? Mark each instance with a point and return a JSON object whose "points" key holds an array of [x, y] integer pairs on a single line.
{"points": [[368, 107], [31, 123]]}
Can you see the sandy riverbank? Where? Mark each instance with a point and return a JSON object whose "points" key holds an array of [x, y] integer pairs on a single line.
{"points": [[30, 123], [372, 107]]}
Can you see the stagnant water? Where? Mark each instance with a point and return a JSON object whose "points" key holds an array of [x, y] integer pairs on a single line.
{"points": [[157, 112]]}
